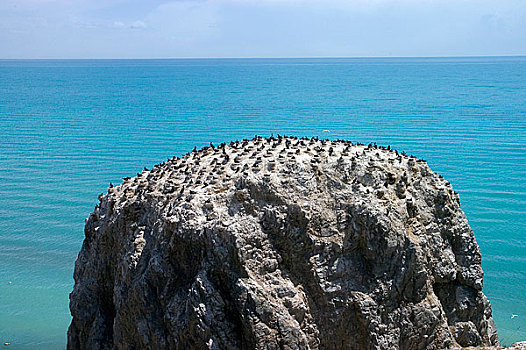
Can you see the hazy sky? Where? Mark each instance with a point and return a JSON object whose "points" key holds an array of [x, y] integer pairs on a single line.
{"points": [[264, 28]]}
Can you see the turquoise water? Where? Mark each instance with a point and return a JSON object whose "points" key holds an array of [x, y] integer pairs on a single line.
{"points": [[68, 128]]}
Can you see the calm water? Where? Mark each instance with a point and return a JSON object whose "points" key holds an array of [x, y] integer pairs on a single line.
{"points": [[68, 128]]}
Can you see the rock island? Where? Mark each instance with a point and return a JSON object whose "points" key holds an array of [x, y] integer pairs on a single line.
{"points": [[281, 243]]}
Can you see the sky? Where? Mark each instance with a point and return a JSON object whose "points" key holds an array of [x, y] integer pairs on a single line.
{"points": [[263, 28]]}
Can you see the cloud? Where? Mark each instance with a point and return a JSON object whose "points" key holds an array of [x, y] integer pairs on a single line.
{"points": [[138, 25], [118, 24], [193, 19]]}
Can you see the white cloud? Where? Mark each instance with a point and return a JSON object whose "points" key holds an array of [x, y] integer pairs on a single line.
{"points": [[190, 18], [138, 25], [118, 24]]}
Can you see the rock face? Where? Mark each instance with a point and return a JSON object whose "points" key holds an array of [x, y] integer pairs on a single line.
{"points": [[281, 243]]}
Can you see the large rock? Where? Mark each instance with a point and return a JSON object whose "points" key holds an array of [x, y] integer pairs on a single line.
{"points": [[281, 244]]}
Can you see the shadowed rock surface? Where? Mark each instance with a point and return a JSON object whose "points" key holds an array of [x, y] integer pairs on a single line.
{"points": [[281, 243]]}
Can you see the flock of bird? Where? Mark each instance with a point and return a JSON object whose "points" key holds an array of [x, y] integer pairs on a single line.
{"points": [[216, 167]]}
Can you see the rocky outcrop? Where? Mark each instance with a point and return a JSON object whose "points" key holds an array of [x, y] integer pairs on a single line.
{"points": [[281, 243]]}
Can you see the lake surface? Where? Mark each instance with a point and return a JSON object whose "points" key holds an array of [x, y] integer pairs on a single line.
{"points": [[70, 127]]}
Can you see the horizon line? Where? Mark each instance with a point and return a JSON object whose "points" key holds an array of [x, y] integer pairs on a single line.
{"points": [[255, 58]]}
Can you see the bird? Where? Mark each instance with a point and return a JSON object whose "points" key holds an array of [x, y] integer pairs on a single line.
{"points": [[513, 316]]}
